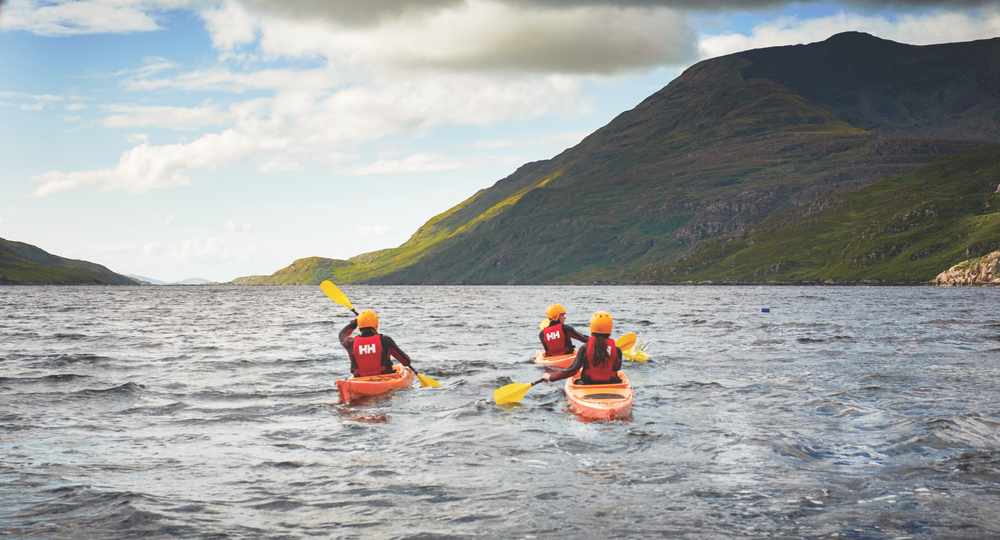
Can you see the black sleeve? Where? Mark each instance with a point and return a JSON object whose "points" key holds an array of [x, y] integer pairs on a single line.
{"points": [[347, 331], [618, 359], [571, 332], [390, 346], [576, 366]]}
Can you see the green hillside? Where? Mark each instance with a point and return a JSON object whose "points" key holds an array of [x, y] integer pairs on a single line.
{"points": [[24, 263], [727, 145], [904, 229]]}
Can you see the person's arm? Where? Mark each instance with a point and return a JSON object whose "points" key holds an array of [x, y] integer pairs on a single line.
{"points": [[571, 332], [618, 360], [389, 345], [576, 366], [346, 332]]}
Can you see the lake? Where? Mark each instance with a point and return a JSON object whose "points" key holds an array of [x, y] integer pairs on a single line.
{"points": [[212, 412]]}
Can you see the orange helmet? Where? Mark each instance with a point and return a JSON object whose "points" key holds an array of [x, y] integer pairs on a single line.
{"points": [[601, 323], [554, 311], [368, 319]]}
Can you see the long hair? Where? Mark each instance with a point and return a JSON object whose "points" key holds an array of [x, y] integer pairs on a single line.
{"points": [[601, 355]]}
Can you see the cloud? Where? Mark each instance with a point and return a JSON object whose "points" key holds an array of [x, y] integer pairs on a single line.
{"points": [[148, 167], [417, 163], [234, 225], [75, 17], [491, 36], [293, 128], [913, 29], [230, 25], [180, 118]]}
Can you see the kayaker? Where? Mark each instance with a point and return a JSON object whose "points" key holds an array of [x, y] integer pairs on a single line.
{"points": [[370, 352], [599, 361], [557, 336]]}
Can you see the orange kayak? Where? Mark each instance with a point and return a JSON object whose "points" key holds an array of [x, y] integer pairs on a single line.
{"points": [[601, 401], [356, 387], [557, 361]]}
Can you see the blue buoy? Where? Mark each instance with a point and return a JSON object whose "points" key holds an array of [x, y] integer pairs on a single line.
{"points": [[765, 310]]}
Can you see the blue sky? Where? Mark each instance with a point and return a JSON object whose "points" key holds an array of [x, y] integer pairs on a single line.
{"points": [[191, 138]]}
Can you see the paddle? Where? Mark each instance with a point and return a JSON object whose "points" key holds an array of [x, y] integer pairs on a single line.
{"points": [[513, 392], [337, 296], [544, 324], [626, 342]]}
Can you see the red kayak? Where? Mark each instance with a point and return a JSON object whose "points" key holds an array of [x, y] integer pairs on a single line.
{"points": [[558, 361], [356, 387]]}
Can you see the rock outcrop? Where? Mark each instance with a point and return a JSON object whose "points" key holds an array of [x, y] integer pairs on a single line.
{"points": [[984, 270]]}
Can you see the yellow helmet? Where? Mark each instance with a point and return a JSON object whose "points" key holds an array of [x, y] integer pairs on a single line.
{"points": [[368, 319], [554, 311], [601, 323]]}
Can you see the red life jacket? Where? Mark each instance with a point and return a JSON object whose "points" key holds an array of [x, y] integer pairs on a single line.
{"points": [[600, 374], [554, 340], [368, 357]]}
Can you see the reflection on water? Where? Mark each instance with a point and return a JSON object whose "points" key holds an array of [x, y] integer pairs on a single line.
{"points": [[197, 412]]}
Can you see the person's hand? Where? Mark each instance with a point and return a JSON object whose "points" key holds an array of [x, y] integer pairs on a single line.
{"points": [[546, 378]]}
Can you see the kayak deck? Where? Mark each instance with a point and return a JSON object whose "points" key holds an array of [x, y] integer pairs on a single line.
{"points": [[357, 387], [601, 401], [557, 361]]}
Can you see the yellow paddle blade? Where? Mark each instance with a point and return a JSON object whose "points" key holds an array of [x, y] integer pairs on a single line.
{"points": [[512, 393], [334, 293], [544, 324], [426, 381], [635, 355], [626, 342]]}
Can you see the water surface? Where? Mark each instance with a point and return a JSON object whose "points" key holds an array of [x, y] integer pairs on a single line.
{"points": [[212, 412]]}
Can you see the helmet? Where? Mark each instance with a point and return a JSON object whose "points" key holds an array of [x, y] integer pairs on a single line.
{"points": [[601, 323], [368, 319], [554, 311]]}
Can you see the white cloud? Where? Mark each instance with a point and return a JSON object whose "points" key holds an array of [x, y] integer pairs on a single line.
{"points": [[417, 163], [922, 29], [234, 225], [75, 17], [296, 127], [230, 25], [374, 230], [180, 118], [153, 167]]}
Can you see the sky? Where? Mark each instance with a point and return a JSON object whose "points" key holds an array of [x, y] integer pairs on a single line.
{"points": [[178, 139]]}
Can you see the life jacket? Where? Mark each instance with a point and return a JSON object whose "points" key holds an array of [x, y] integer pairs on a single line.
{"points": [[600, 374], [555, 340], [369, 358]]}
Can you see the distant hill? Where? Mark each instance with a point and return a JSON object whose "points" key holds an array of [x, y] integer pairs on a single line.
{"points": [[25, 263], [731, 144]]}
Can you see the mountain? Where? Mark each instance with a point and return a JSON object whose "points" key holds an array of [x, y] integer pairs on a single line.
{"points": [[25, 263], [731, 144]]}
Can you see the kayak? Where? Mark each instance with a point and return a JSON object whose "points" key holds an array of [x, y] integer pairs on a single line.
{"points": [[356, 387], [601, 401], [557, 361]]}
